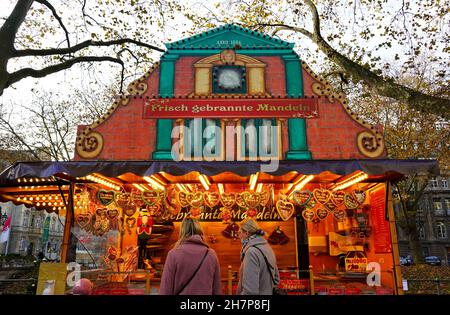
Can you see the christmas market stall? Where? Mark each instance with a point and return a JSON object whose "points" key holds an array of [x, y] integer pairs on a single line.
{"points": [[325, 219]]}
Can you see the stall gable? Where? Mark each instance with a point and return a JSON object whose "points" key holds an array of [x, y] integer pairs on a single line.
{"points": [[268, 73]]}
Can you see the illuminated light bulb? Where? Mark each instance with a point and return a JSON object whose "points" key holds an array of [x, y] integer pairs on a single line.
{"points": [[54, 208], [38, 204], [43, 204]]}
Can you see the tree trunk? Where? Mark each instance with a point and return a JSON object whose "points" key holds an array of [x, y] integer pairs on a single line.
{"points": [[414, 244]]}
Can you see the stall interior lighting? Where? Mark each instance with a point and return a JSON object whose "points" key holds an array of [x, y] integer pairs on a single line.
{"points": [[259, 187], [300, 182], [221, 188], [103, 181], [253, 180], [155, 183], [140, 187], [181, 187], [204, 181], [356, 178]]}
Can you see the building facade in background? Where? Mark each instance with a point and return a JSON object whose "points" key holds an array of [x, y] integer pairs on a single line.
{"points": [[433, 219]]}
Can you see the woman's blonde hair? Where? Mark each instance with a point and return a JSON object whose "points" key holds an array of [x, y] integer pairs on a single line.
{"points": [[189, 227], [249, 225]]}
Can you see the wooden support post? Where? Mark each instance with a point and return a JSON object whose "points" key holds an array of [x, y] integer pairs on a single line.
{"points": [[147, 283], [230, 281], [66, 244], [397, 273], [311, 280]]}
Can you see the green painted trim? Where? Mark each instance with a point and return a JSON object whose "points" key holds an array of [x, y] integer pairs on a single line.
{"points": [[298, 145], [164, 126], [208, 52], [225, 30], [163, 140]]}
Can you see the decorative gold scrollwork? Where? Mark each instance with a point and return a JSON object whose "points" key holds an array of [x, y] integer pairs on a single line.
{"points": [[369, 144], [90, 145]]}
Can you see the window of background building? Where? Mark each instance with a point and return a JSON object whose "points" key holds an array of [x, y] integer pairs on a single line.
{"points": [[447, 205], [32, 221], [437, 205], [26, 217], [421, 231], [22, 243], [425, 251], [441, 230], [53, 224], [433, 182], [444, 182], [38, 222]]}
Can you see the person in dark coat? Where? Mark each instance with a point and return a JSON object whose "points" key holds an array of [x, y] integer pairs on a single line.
{"points": [[183, 260], [254, 276]]}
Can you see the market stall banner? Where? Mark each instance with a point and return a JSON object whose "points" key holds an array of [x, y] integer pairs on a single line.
{"points": [[231, 108], [215, 214]]}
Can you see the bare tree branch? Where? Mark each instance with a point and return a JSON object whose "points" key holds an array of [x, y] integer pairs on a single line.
{"points": [[82, 45], [58, 18], [29, 72]]}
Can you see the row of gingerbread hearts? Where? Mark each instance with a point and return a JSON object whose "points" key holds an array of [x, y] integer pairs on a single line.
{"points": [[149, 197], [245, 199], [331, 199]]}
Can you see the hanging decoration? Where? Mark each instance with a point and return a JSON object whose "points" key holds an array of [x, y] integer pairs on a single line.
{"points": [[182, 198], [136, 199], [264, 197], [171, 202], [321, 195], [337, 197], [212, 199], [130, 223], [278, 237], [105, 197], [339, 215], [330, 206], [322, 213], [195, 199], [308, 215], [302, 197], [240, 201], [195, 212], [100, 222], [83, 215], [251, 199], [83, 220], [151, 197], [285, 209], [350, 202], [144, 223], [228, 199]]}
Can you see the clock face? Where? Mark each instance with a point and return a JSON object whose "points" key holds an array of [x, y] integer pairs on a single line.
{"points": [[229, 79]]}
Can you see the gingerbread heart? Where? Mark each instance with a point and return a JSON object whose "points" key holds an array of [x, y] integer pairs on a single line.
{"points": [[308, 215], [83, 220], [228, 199], [195, 199], [302, 197], [211, 199], [330, 206], [122, 199], [150, 197], [337, 197], [112, 214], [251, 200], [182, 198], [100, 212], [322, 195], [311, 204], [154, 210], [360, 195], [350, 201], [339, 215], [105, 196], [129, 210], [136, 199], [322, 213], [265, 196], [285, 209], [240, 201], [130, 222]]}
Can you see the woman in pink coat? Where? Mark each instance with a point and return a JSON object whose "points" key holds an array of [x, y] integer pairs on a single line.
{"points": [[191, 267]]}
